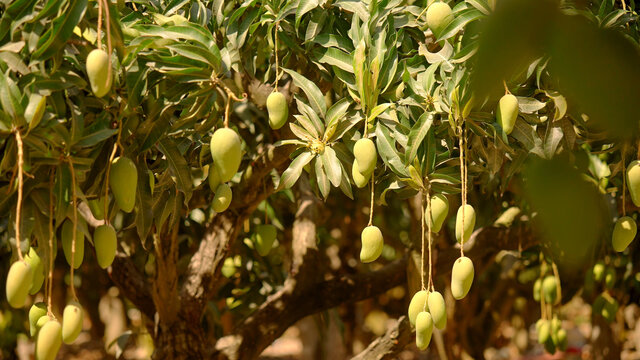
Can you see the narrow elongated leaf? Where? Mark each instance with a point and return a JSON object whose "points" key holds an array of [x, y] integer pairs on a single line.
{"points": [[178, 166], [293, 172], [323, 181], [61, 30], [331, 165], [304, 6], [417, 134], [335, 57], [386, 146], [316, 99]]}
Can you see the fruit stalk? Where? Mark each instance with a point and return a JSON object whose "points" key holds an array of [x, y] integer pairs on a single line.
{"points": [[49, 287], [107, 18], [429, 233], [20, 188], [74, 199], [624, 181], [106, 181], [373, 176]]}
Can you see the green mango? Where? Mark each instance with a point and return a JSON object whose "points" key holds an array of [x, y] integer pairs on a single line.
{"points": [[623, 233], [226, 152], [439, 211], [123, 181], [550, 289], [105, 242], [372, 244], [49, 340], [228, 268], [598, 271], [549, 346], [439, 15], [264, 238], [610, 277], [418, 303], [469, 222], [67, 240], [461, 277], [609, 309], [437, 309], [544, 331], [633, 181], [278, 110], [507, 112], [36, 311], [222, 198], [18, 284], [556, 325], [561, 335], [37, 267], [358, 178], [537, 289], [97, 208], [424, 329], [366, 155], [214, 178], [98, 72], [71, 322]]}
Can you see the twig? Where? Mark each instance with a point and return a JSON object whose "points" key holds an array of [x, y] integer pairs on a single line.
{"points": [[20, 189], [75, 227]]}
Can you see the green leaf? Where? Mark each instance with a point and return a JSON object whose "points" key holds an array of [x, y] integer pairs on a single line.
{"points": [[178, 166], [61, 30], [304, 6], [322, 179], [417, 134], [293, 172], [331, 165], [386, 146], [316, 99], [144, 204], [335, 57], [462, 19]]}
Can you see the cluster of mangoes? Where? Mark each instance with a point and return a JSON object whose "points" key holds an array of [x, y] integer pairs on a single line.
{"points": [[604, 304], [426, 310], [227, 154], [551, 334], [625, 229]]}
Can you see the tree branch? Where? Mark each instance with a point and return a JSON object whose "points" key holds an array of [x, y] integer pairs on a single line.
{"points": [[133, 285], [390, 344]]}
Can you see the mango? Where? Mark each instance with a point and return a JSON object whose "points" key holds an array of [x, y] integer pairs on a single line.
{"points": [[437, 309], [40, 323], [106, 243], [228, 268], [226, 153], [18, 284], [461, 277], [610, 309], [97, 208], [623, 233], [34, 260], [278, 110], [562, 340], [366, 155], [265, 236], [633, 181], [67, 239], [507, 112], [550, 289], [439, 211], [610, 277], [222, 198], [556, 325], [549, 346], [424, 329], [469, 222], [537, 290], [123, 181], [372, 243], [49, 340], [358, 178], [598, 271], [544, 331], [214, 178], [439, 15], [36, 311], [71, 322], [98, 72], [417, 304]]}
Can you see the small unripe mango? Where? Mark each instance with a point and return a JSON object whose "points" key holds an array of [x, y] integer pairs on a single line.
{"points": [[610, 309], [97, 208], [226, 153], [461, 277], [98, 72], [228, 267], [49, 340], [633, 181], [358, 178], [469, 222], [550, 289], [278, 110], [439, 211], [366, 155], [34, 260], [437, 309], [544, 331], [424, 329], [598, 271], [507, 112], [623, 233], [18, 284], [36, 311], [124, 181], [106, 243], [265, 236], [610, 277], [537, 290], [418, 303], [556, 325], [372, 243], [71, 322], [562, 340], [67, 240], [439, 14], [214, 178], [222, 198]]}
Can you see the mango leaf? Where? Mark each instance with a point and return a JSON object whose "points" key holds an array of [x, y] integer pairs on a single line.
{"points": [[386, 146], [323, 181], [304, 6], [61, 30], [144, 204], [335, 57], [331, 165], [293, 172], [417, 134], [314, 95], [178, 166]]}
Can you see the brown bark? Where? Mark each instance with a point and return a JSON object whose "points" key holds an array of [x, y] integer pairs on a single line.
{"points": [[390, 344]]}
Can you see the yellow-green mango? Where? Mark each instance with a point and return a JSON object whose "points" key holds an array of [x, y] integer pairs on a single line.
{"points": [[36, 311], [562, 339], [71, 322], [537, 290], [214, 178], [461, 277], [550, 289], [97, 208], [265, 236], [358, 178], [418, 303], [598, 271], [439, 14], [623, 233], [228, 268], [49, 340], [366, 155], [40, 323], [610, 308], [67, 240], [610, 277], [437, 309], [507, 112], [424, 329], [439, 211], [226, 153], [34, 111], [222, 198], [124, 181], [633, 181], [98, 72], [372, 244], [278, 110], [556, 325], [469, 222], [18, 284], [544, 330], [105, 241], [35, 262]]}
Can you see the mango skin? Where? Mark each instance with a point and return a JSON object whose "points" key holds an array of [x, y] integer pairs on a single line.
{"points": [[214, 178], [437, 309], [98, 72], [544, 331], [439, 211], [418, 303], [222, 198], [18, 284], [424, 330], [228, 268], [226, 152], [123, 181], [105, 241], [610, 277], [34, 260], [358, 178], [537, 290], [265, 236], [624, 232], [71, 322], [633, 181], [372, 244], [67, 239], [49, 340], [561, 336], [598, 271], [550, 289], [278, 110], [439, 14], [366, 155], [469, 222], [461, 277], [507, 112], [97, 208], [36, 311]]}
